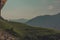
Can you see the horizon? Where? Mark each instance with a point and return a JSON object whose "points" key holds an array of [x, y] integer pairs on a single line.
{"points": [[28, 9]]}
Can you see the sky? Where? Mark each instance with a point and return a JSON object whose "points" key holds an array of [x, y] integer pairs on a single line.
{"points": [[28, 9]]}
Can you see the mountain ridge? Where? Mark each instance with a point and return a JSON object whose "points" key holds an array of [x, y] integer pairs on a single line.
{"points": [[46, 21]]}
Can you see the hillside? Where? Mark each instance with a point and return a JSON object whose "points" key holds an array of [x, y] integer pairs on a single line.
{"points": [[46, 21], [26, 32], [4, 35], [5, 31]]}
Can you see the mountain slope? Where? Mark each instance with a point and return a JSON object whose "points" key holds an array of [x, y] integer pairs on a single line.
{"points": [[4, 24], [4, 35], [35, 33], [47, 21], [26, 32], [5, 31]]}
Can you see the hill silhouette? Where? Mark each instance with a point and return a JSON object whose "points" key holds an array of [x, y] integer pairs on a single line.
{"points": [[46, 21]]}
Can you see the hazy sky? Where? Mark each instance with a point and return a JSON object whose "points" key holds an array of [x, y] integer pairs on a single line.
{"points": [[30, 8]]}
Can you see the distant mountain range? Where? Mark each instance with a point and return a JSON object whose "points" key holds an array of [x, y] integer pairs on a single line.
{"points": [[22, 20], [46, 21]]}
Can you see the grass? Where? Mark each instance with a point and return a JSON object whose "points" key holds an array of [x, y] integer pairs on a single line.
{"points": [[23, 29]]}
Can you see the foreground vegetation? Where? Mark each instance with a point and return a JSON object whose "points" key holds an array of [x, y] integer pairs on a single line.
{"points": [[26, 32]]}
